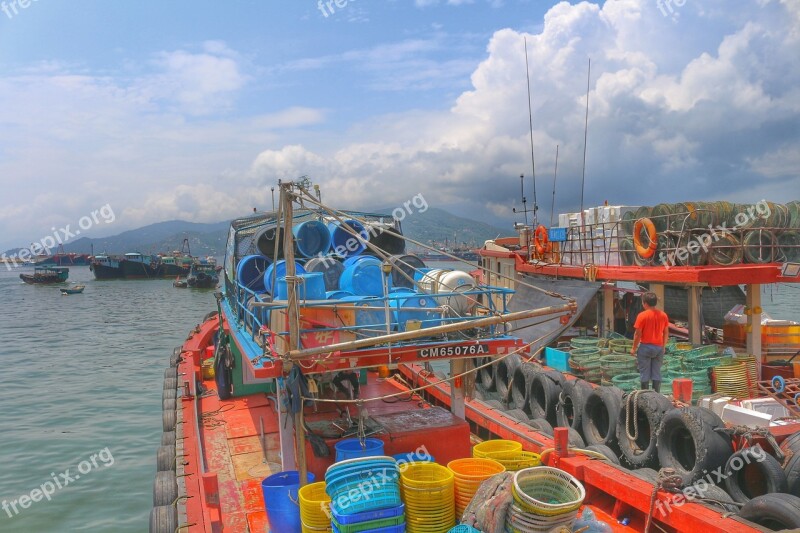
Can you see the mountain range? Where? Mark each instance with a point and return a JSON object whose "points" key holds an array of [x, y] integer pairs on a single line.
{"points": [[434, 227]]}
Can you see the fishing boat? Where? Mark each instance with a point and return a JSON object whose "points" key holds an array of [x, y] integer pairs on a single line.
{"points": [[202, 275], [104, 266], [46, 275], [77, 289], [293, 351]]}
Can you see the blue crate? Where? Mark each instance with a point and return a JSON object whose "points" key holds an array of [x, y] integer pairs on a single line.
{"points": [[367, 516], [556, 359], [557, 234]]}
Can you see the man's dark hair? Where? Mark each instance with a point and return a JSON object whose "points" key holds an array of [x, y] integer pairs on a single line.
{"points": [[650, 299]]}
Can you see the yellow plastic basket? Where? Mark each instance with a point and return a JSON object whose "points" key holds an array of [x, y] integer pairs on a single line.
{"points": [[488, 446], [314, 501], [513, 461]]}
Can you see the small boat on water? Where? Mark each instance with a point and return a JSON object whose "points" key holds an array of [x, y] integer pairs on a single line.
{"points": [[292, 395], [46, 275], [77, 289], [203, 275], [180, 283]]}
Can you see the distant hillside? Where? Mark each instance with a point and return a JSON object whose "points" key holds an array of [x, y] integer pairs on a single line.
{"points": [[434, 227]]}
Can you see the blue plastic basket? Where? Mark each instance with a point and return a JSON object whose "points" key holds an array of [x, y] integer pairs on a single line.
{"points": [[391, 529], [463, 528], [368, 516], [386, 497]]}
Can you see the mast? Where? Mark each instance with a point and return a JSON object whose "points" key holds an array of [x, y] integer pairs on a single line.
{"points": [[286, 199], [530, 122]]}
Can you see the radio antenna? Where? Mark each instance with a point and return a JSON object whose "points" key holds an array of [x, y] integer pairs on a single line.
{"points": [[530, 122], [585, 135], [555, 175]]}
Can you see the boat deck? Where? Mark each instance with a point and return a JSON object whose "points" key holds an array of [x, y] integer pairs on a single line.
{"points": [[230, 431]]}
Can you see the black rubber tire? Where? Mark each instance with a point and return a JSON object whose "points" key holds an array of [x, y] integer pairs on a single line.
{"points": [[209, 316], [168, 438], [494, 404], [569, 410], [688, 443], [486, 376], [651, 408], [174, 360], [759, 474], [521, 385], [606, 451], [792, 472], [791, 444], [177, 350], [773, 511], [165, 458], [542, 426], [714, 492], [504, 373], [575, 439], [544, 394], [165, 488], [164, 519], [171, 372], [518, 414], [169, 394], [645, 474], [600, 416], [170, 383], [169, 404], [168, 420]]}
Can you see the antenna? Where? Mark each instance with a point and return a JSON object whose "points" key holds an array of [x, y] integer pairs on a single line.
{"points": [[555, 174], [530, 122], [524, 200], [585, 135]]}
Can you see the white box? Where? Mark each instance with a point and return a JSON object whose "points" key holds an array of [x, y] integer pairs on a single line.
{"points": [[769, 406], [718, 404], [745, 417]]}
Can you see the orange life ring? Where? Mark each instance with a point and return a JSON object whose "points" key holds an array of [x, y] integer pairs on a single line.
{"points": [[541, 241], [646, 252]]}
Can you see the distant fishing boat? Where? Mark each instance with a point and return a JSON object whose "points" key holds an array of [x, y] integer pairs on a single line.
{"points": [[203, 275], [106, 267], [46, 275], [77, 289]]}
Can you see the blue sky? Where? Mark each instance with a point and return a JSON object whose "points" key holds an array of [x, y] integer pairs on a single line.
{"points": [[191, 110]]}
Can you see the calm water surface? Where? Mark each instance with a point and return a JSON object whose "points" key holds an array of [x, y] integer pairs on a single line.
{"points": [[83, 374]]}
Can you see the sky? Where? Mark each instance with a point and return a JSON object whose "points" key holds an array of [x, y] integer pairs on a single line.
{"points": [[193, 109]]}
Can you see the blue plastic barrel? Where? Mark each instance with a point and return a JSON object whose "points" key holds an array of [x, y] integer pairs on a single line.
{"points": [[250, 272], [311, 238], [337, 295], [352, 448], [420, 273], [363, 278], [343, 243], [280, 495], [311, 287], [414, 307], [372, 322], [280, 272], [330, 267]]}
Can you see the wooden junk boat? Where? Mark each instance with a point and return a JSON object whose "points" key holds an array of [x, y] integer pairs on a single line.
{"points": [[281, 346]]}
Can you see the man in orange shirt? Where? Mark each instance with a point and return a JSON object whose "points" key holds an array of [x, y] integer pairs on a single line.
{"points": [[652, 334]]}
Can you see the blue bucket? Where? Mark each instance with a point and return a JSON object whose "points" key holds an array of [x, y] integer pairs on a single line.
{"points": [[312, 287], [331, 268], [279, 268], [364, 278], [250, 272], [373, 320], [311, 238], [413, 307], [343, 243], [280, 497], [352, 448], [337, 295]]}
